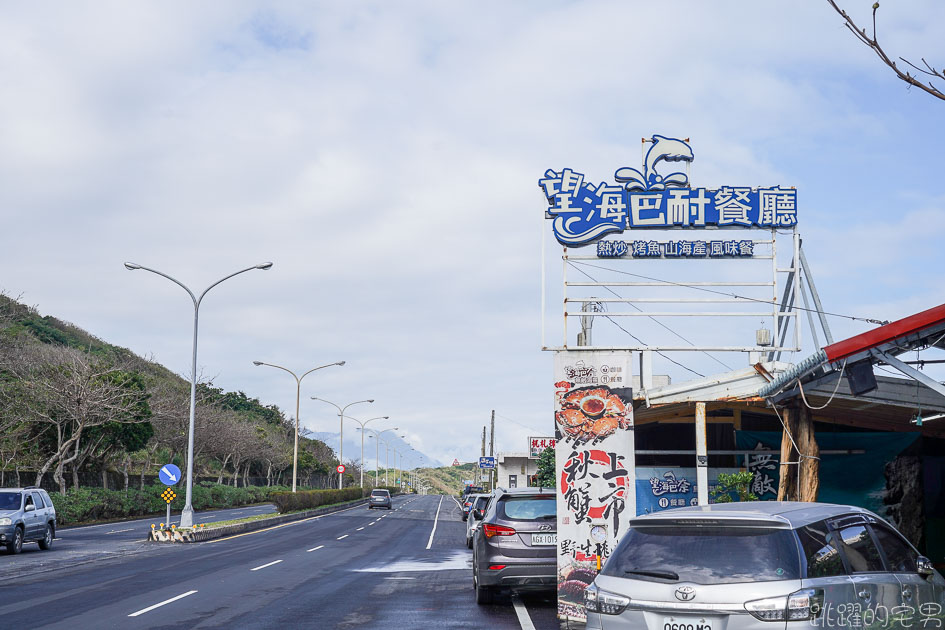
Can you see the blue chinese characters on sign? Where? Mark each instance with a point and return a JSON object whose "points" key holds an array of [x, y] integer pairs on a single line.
{"points": [[583, 212]]}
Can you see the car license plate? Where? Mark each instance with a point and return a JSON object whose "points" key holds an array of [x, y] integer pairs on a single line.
{"points": [[676, 623], [544, 539]]}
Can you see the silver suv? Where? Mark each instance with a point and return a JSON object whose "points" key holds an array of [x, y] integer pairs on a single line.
{"points": [[515, 546], [763, 565], [26, 515]]}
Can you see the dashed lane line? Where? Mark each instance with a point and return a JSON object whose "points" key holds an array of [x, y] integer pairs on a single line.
{"points": [[158, 605], [312, 518], [266, 565], [523, 619], [359, 529], [342, 537], [315, 548]]}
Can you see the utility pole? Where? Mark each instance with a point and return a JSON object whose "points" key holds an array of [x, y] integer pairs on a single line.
{"points": [[481, 454], [492, 448]]}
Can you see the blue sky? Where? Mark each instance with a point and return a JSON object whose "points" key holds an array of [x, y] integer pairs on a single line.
{"points": [[385, 157]]}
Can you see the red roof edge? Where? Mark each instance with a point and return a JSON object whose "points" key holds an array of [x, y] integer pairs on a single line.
{"points": [[885, 334]]}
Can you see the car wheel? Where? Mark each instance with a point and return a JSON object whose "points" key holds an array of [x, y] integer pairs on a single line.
{"points": [[16, 545], [484, 594], [46, 542], [468, 542]]}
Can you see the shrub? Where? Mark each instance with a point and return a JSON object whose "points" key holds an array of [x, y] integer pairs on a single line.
{"points": [[94, 504]]}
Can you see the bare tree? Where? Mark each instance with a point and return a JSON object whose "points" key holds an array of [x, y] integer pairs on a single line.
{"points": [[873, 42], [65, 392]]}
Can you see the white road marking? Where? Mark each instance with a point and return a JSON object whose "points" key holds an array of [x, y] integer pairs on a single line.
{"points": [[456, 561], [315, 548], [359, 529], [523, 619], [371, 523], [400, 578], [435, 519], [118, 531], [342, 537], [166, 601], [266, 565]]}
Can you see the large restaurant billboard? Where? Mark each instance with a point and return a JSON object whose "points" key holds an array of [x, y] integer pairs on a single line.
{"points": [[594, 466]]}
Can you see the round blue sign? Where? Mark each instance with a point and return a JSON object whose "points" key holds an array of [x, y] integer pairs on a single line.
{"points": [[169, 475]]}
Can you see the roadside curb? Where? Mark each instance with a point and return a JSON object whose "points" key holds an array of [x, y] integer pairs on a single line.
{"points": [[202, 534]]}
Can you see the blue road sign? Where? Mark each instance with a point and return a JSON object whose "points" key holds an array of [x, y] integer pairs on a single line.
{"points": [[170, 475], [487, 462]]}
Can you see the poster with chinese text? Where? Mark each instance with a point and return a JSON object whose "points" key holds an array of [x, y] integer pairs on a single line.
{"points": [[594, 466]]}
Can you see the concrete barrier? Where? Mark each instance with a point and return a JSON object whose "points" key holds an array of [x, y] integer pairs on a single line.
{"points": [[201, 534]]}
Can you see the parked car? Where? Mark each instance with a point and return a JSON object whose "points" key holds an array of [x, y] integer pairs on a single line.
{"points": [[515, 547], [380, 498], [734, 566], [477, 507], [26, 515], [465, 499]]}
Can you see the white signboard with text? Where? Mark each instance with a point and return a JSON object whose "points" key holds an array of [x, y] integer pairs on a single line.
{"points": [[594, 466]]}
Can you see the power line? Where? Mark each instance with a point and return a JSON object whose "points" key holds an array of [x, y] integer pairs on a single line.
{"points": [[878, 322], [637, 339], [716, 359]]}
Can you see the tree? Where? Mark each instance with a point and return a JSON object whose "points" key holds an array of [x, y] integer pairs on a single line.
{"points": [[738, 483], [546, 468], [872, 42]]}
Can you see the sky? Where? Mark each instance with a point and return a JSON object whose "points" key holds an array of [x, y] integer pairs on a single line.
{"points": [[385, 157]]}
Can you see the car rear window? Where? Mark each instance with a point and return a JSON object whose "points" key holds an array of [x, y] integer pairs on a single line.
{"points": [[707, 555], [533, 508], [379, 493], [9, 500]]}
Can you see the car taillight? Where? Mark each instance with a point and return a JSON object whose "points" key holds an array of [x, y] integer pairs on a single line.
{"points": [[496, 567], [604, 602], [798, 606], [491, 530]]}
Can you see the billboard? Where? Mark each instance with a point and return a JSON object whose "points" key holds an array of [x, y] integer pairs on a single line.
{"points": [[537, 444], [594, 466]]}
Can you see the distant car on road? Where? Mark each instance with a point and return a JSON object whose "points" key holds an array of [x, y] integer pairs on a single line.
{"points": [[477, 507], [379, 499], [516, 544], [764, 564], [26, 515]]}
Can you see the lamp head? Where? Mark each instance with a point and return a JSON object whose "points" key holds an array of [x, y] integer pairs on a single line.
{"points": [[257, 363], [370, 400], [266, 266], [130, 266], [340, 363]]}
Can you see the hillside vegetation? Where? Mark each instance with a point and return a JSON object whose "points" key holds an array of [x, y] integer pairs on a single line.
{"points": [[74, 408], [449, 479]]}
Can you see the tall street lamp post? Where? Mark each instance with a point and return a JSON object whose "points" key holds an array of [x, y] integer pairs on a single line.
{"points": [[187, 514], [298, 389], [377, 450], [341, 433], [362, 440]]}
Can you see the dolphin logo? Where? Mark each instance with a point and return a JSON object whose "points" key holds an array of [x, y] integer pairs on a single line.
{"points": [[662, 149]]}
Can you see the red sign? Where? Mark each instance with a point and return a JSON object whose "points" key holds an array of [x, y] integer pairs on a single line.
{"points": [[537, 444], [340, 469], [456, 462]]}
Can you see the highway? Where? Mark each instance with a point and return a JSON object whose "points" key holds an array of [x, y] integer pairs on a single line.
{"points": [[358, 568]]}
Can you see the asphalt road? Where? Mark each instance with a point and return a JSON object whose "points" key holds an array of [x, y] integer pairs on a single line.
{"points": [[406, 568]]}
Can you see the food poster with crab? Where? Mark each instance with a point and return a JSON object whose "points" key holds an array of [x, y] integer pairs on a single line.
{"points": [[594, 467]]}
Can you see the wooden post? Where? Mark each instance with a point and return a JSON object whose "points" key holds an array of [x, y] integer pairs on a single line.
{"points": [[810, 467], [787, 486]]}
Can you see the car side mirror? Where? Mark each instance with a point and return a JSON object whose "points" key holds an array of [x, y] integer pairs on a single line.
{"points": [[30, 508], [924, 566], [478, 514]]}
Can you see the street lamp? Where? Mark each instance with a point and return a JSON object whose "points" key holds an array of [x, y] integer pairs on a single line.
{"points": [[362, 440], [187, 514], [298, 388], [341, 434], [377, 451]]}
